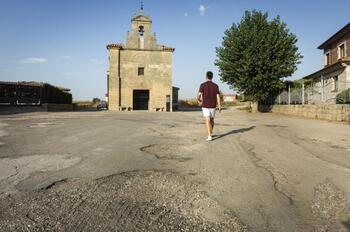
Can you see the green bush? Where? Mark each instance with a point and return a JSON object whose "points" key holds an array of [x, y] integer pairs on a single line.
{"points": [[343, 97]]}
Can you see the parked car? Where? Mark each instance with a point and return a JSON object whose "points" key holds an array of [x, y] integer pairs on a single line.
{"points": [[103, 105]]}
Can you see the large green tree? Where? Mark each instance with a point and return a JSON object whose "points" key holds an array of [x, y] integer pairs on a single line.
{"points": [[256, 54]]}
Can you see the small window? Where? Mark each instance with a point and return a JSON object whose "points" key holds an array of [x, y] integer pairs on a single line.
{"points": [[341, 51], [141, 71], [328, 58], [335, 83]]}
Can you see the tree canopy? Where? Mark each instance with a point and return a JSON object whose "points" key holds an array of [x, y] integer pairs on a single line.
{"points": [[256, 54]]}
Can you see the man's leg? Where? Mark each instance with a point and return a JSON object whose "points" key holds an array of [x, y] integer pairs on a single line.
{"points": [[207, 116], [212, 116], [209, 126]]}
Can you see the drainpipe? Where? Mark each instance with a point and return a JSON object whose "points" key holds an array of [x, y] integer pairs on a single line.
{"points": [[107, 86], [322, 89], [119, 80]]}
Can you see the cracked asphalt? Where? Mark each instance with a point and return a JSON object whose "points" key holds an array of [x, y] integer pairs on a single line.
{"points": [[143, 171]]}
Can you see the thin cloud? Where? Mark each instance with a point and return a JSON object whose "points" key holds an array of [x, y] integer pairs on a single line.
{"points": [[96, 71], [65, 57], [96, 61], [202, 9], [185, 14], [69, 75], [34, 60], [11, 69]]}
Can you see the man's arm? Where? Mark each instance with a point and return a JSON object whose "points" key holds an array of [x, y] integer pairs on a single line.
{"points": [[200, 97], [218, 102]]}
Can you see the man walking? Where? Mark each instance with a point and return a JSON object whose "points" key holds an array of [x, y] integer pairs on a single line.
{"points": [[209, 98]]}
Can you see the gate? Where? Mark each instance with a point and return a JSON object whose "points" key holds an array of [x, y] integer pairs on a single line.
{"points": [[140, 99]]}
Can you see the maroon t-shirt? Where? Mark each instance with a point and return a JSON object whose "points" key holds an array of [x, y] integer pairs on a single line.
{"points": [[209, 91]]}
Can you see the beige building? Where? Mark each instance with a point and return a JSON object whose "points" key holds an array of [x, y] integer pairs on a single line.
{"points": [[334, 77], [140, 70]]}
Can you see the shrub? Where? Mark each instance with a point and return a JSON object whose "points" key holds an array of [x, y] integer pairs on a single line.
{"points": [[96, 100], [343, 97]]}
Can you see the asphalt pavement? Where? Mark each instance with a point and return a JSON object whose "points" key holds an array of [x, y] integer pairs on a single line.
{"points": [[153, 171]]}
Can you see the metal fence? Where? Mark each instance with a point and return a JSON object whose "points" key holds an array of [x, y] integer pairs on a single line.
{"points": [[325, 92]]}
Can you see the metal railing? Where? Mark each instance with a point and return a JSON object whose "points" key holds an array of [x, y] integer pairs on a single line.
{"points": [[325, 92]]}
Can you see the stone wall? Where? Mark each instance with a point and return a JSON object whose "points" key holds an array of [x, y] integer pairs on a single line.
{"points": [[157, 76], [340, 113]]}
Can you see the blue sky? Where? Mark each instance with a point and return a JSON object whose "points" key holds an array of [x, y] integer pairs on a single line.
{"points": [[63, 42]]}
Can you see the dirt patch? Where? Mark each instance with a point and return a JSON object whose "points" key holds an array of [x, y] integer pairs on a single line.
{"points": [[134, 201]]}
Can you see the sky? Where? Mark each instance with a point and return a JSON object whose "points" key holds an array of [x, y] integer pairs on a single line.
{"points": [[63, 42]]}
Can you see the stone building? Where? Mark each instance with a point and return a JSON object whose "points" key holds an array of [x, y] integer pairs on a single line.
{"points": [[334, 77], [32, 93], [140, 70]]}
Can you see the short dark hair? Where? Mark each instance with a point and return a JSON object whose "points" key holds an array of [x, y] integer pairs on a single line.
{"points": [[210, 75]]}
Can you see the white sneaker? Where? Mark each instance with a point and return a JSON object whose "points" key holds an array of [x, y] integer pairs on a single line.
{"points": [[209, 138]]}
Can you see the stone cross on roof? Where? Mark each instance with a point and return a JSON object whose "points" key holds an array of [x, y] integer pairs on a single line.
{"points": [[141, 9]]}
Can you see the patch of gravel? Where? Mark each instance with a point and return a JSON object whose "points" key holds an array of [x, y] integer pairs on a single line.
{"points": [[328, 203], [132, 201]]}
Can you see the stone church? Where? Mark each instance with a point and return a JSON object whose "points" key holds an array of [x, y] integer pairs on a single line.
{"points": [[140, 70]]}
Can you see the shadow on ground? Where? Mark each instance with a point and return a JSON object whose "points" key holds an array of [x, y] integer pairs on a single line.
{"points": [[236, 131], [189, 108], [347, 225]]}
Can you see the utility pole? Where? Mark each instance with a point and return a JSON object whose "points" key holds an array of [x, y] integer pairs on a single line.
{"points": [[288, 94], [279, 99], [303, 94]]}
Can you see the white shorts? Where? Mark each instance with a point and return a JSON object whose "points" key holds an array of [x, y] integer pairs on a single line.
{"points": [[209, 112]]}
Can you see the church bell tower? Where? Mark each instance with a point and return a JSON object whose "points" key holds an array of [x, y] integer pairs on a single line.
{"points": [[141, 35]]}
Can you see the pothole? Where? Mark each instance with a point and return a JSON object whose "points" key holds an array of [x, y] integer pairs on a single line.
{"points": [[178, 152], [133, 201]]}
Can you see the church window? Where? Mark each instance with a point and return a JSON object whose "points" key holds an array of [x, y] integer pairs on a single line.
{"points": [[141, 31], [141, 71]]}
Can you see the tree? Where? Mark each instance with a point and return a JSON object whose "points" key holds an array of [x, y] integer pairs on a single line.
{"points": [[96, 100], [343, 97], [256, 55]]}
